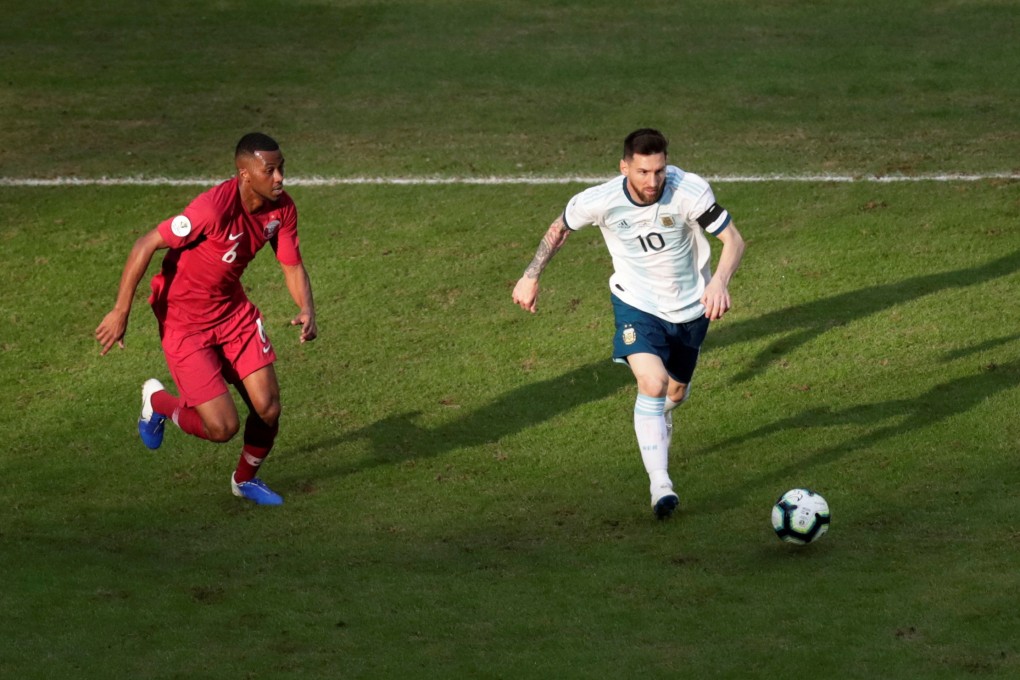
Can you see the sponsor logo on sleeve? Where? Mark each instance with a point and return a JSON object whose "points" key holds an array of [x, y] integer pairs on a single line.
{"points": [[180, 226]]}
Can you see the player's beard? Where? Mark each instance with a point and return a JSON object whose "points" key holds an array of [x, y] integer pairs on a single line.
{"points": [[650, 196], [638, 193]]}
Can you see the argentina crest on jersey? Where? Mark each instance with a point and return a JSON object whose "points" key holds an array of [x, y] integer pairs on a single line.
{"points": [[629, 335]]}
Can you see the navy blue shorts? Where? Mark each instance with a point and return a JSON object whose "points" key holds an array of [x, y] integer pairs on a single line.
{"points": [[677, 344]]}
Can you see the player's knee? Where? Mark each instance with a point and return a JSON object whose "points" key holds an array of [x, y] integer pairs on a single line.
{"points": [[222, 430], [679, 393], [270, 413], [653, 386]]}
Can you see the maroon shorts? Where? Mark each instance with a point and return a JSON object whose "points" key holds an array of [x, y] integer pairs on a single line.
{"points": [[203, 363]]}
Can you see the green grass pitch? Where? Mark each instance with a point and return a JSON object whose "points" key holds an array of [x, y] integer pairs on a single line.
{"points": [[464, 495]]}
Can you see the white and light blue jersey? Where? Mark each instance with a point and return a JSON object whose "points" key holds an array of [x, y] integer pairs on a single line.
{"points": [[661, 258]]}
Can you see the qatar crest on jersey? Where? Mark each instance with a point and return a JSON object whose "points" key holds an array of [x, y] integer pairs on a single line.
{"points": [[269, 231], [181, 226]]}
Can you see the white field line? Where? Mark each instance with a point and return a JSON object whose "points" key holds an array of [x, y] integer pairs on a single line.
{"points": [[426, 181]]}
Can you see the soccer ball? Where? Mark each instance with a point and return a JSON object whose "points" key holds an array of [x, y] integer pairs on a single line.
{"points": [[800, 516]]}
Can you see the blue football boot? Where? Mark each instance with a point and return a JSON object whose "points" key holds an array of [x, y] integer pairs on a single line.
{"points": [[150, 423], [664, 501], [256, 491]]}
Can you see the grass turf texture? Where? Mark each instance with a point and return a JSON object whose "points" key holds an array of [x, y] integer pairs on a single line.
{"points": [[509, 87], [464, 494]]}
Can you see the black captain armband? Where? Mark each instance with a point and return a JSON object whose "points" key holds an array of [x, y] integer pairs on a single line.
{"points": [[710, 215]]}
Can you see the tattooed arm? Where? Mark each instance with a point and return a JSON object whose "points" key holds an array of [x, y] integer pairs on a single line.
{"points": [[526, 290]]}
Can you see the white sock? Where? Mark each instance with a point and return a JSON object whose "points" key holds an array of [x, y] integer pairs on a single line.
{"points": [[653, 440], [668, 417], [668, 407]]}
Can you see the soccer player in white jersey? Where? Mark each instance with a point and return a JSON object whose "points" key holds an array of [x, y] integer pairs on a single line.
{"points": [[663, 290]]}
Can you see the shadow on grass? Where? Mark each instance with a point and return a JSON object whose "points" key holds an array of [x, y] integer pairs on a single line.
{"points": [[399, 437], [886, 418], [800, 324], [984, 346]]}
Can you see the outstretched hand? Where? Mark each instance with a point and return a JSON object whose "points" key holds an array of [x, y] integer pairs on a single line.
{"points": [[309, 331], [110, 331], [716, 300], [526, 294]]}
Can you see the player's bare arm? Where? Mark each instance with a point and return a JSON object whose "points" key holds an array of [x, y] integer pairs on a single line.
{"points": [[717, 297], [526, 291], [300, 288], [111, 329]]}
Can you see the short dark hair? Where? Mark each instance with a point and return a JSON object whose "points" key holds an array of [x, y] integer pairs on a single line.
{"points": [[645, 142], [255, 141]]}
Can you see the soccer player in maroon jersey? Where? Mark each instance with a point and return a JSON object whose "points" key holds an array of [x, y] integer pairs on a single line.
{"points": [[212, 334]]}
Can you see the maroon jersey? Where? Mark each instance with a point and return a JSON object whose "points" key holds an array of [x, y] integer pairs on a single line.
{"points": [[211, 244]]}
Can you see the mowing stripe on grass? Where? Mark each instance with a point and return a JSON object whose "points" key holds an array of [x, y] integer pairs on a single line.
{"points": [[425, 181]]}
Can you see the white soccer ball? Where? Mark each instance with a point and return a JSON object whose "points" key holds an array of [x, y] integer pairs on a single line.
{"points": [[800, 516]]}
